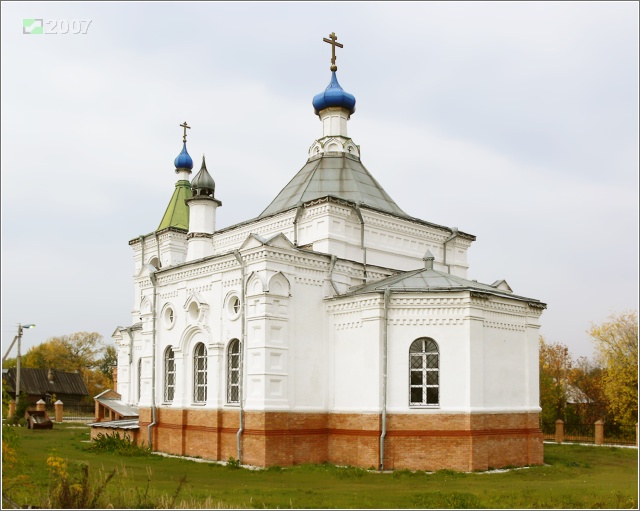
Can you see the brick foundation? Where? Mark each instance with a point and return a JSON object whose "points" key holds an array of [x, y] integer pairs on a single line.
{"points": [[464, 442]]}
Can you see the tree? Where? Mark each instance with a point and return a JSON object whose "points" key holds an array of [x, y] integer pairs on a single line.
{"points": [[10, 362], [616, 344], [76, 352], [96, 382], [555, 367], [108, 360], [50, 354], [70, 353], [588, 378]]}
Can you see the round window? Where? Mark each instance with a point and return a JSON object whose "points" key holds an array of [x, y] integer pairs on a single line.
{"points": [[234, 306], [169, 317]]}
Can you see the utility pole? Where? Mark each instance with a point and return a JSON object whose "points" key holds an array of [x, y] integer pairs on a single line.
{"points": [[20, 328]]}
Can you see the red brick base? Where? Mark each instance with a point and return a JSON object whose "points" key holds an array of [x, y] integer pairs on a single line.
{"points": [[464, 442]]}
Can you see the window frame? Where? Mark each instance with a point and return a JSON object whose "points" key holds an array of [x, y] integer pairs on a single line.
{"points": [[233, 368], [426, 351], [169, 375], [199, 374]]}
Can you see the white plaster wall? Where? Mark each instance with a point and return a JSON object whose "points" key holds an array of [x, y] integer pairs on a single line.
{"points": [[533, 356], [307, 344], [202, 215], [355, 364], [453, 346], [231, 239], [334, 122], [505, 368]]}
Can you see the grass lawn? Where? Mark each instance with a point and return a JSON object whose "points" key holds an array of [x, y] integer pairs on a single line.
{"points": [[573, 476]]}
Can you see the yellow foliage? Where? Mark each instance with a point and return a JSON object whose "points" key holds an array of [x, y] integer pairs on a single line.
{"points": [[616, 343], [555, 367], [9, 455], [57, 466]]}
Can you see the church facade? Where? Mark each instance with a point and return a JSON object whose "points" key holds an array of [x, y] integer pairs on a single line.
{"points": [[332, 328]]}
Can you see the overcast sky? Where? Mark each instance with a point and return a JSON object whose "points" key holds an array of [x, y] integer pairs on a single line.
{"points": [[515, 122]]}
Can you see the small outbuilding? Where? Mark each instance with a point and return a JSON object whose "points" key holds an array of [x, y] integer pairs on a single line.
{"points": [[44, 384]]}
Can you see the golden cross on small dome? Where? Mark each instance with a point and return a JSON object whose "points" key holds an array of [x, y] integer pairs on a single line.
{"points": [[333, 41], [184, 125]]}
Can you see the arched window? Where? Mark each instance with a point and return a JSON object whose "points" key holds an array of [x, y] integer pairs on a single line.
{"points": [[424, 373], [233, 372], [169, 375], [139, 378], [200, 374]]}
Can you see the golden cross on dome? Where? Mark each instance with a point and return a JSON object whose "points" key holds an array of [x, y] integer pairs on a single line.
{"points": [[184, 125], [333, 41]]}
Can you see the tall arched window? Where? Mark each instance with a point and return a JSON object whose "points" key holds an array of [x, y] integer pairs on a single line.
{"points": [[199, 373], [169, 375], [139, 378], [424, 373], [233, 372]]}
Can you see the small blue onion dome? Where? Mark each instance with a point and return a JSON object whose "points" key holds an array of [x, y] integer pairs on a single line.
{"points": [[334, 95], [183, 160], [203, 183]]}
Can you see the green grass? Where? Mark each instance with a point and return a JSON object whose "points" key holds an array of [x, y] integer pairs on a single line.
{"points": [[573, 476]]}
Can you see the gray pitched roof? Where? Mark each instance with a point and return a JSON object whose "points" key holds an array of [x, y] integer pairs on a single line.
{"points": [[37, 382], [339, 175], [118, 406], [119, 424], [428, 280]]}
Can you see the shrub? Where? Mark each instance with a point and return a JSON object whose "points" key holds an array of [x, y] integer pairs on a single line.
{"points": [[233, 463], [116, 444], [67, 494]]}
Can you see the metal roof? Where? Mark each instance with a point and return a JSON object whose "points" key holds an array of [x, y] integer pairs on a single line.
{"points": [[39, 381], [121, 424], [119, 407], [340, 175], [428, 280], [177, 212]]}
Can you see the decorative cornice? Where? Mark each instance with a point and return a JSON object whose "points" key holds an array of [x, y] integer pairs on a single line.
{"points": [[199, 235]]}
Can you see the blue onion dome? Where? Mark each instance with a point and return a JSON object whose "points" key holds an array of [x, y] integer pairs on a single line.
{"points": [[203, 183], [183, 160], [334, 95]]}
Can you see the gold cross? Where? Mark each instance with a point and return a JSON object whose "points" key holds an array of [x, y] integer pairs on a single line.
{"points": [[333, 42], [184, 125]]}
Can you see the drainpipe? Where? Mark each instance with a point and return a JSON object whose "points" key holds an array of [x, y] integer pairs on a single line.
{"points": [[385, 339], [152, 276], [454, 235], [295, 225], [364, 250], [142, 243], [155, 233], [128, 330], [236, 253], [331, 266]]}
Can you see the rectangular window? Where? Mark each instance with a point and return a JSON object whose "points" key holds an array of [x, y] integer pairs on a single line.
{"points": [[200, 374]]}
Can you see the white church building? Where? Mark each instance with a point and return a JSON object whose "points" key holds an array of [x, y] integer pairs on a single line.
{"points": [[332, 328]]}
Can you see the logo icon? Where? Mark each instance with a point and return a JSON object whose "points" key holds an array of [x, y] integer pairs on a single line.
{"points": [[33, 26]]}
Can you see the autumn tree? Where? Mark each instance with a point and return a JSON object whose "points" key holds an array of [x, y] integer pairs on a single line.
{"points": [[555, 367], [588, 378], [9, 362], [79, 352], [616, 344], [74, 352], [108, 360]]}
